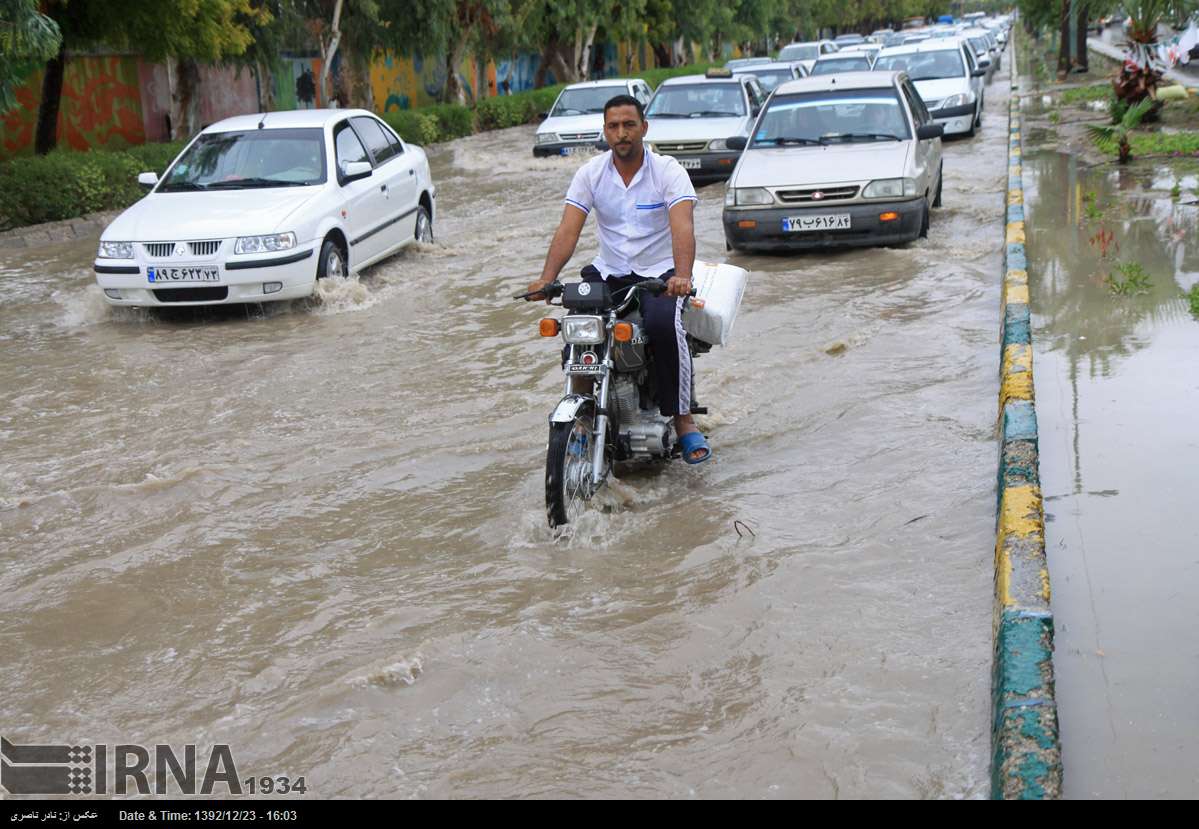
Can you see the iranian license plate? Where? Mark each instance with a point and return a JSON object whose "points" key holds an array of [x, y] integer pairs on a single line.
{"points": [[690, 163], [828, 221], [580, 150], [184, 273]]}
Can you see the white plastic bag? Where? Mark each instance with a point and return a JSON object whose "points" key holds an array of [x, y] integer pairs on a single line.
{"points": [[721, 288]]}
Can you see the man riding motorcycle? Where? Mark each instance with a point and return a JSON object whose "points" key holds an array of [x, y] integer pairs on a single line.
{"points": [[644, 207]]}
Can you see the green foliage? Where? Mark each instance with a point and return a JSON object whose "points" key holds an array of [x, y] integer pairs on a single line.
{"points": [[1131, 281], [1115, 138], [1193, 299], [1176, 191], [26, 37], [1165, 143], [65, 184], [1085, 94], [1117, 107], [1055, 117], [654, 77], [1090, 206], [414, 126], [155, 157]]}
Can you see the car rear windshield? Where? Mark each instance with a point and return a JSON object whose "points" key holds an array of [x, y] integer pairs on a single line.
{"points": [[835, 65], [924, 66], [707, 100], [773, 78], [249, 160], [585, 101], [832, 117], [805, 51]]}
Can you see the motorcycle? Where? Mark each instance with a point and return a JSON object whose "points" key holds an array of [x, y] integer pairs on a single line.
{"points": [[616, 419]]}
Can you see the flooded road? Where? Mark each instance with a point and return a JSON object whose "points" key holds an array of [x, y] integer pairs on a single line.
{"points": [[317, 532], [1117, 390]]}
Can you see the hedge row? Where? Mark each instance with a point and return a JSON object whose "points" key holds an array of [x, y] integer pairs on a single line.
{"points": [[67, 184]]}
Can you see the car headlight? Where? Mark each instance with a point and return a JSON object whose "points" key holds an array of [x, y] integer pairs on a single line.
{"points": [[719, 145], [265, 244], [957, 100], [582, 330], [746, 196], [889, 188], [547, 138], [115, 250]]}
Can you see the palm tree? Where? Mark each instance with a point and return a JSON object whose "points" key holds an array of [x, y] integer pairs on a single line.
{"points": [[1138, 79], [1116, 135]]}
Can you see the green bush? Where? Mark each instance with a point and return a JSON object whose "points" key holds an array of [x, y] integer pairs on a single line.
{"points": [[67, 184], [654, 77], [453, 121], [156, 157], [414, 126]]}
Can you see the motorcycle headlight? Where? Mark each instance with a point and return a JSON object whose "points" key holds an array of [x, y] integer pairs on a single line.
{"points": [[547, 138], [889, 188], [582, 330], [746, 196], [265, 244], [115, 250], [719, 145]]}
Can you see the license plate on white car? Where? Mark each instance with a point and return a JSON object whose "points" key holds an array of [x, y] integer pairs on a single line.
{"points": [[184, 273], [690, 163], [580, 150], [829, 221]]}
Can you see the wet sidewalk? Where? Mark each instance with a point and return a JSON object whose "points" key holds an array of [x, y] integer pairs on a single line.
{"points": [[1117, 387]]}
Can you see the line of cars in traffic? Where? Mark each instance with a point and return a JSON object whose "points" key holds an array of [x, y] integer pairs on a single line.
{"points": [[831, 143]]}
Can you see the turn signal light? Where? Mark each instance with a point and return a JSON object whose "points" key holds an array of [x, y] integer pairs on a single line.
{"points": [[889, 216], [622, 332], [697, 303], [550, 327], [747, 224]]}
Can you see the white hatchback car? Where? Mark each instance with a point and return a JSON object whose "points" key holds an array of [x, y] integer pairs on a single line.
{"points": [[575, 123], [947, 77], [836, 161], [258, 207]]}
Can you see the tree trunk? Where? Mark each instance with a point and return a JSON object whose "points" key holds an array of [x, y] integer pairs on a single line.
{"points": [[185, 102], [266, 86], [1080, 37], [583, 62], [1063, 50], [328, 52], [662, 55], [46, 134], [454, 93]]}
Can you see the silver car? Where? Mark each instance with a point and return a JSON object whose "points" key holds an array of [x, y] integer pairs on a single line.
{"points": [[835, 161]]}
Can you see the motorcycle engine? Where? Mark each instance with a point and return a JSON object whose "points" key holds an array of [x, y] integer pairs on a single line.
{"points": [[642, 432]]}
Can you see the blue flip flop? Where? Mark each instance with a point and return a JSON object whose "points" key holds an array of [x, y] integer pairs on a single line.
{"points": [[694, 442]]}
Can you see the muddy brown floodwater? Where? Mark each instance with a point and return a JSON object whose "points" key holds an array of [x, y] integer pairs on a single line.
{"points": [[316, 532]]}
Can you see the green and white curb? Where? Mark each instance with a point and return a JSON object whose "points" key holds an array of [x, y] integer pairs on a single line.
{"points": [[1026, 759]]}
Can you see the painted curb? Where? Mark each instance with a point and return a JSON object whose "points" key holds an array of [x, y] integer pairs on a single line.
{"points": [[1026, 756]]}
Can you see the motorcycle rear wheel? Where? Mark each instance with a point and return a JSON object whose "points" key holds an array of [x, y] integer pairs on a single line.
{"points": [[568, 469]]}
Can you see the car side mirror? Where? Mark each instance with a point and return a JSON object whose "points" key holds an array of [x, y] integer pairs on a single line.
{"points": [[926, 131], [978, 73], [541, 116], [355, 170], [736, 143], [147, 179]]}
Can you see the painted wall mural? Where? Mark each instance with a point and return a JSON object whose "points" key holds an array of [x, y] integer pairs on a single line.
{"points": [[113, 101]]}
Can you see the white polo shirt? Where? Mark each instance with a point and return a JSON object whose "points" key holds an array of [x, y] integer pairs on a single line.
{"points": [[634, 228]]}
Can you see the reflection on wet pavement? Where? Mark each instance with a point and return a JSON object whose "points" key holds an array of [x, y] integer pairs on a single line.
{"points": [[1117, 389]]}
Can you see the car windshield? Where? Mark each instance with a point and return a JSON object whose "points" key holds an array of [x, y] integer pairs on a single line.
{"points": [[834, 65], [248, 160], [800, 51], [832, 117], [924, 66], [708, 100], [773, 78], [584, 101]]}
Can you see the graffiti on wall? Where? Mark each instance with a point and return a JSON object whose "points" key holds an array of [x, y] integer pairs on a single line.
{"points": [[404, 83], [101, 107]]}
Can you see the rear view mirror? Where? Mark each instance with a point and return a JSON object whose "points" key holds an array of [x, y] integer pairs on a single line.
{"points": [[147, 179], [355, 170], [926, 131], [736, 143]]}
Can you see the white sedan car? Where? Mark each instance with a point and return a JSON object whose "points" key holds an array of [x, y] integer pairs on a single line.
{"points": [[258, 207]]}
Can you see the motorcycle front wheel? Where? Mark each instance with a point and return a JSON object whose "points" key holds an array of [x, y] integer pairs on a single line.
{"points": [[568, 469]]}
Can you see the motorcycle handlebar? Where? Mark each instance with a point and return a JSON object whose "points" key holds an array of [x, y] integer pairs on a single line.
{"points": [[651, 286]]}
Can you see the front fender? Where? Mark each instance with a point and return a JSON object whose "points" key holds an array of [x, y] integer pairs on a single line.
{"points": [[569, 407]]}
